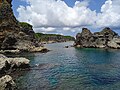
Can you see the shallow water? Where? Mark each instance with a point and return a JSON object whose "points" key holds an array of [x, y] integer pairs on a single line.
{"points": [[72, 69]]}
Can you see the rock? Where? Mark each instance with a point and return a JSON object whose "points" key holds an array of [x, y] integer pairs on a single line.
{"points": [[66, 46], [3, 65], [84, 38], [14, 35], [18, 62], [28, 30], [12, 63], [78, 46], [7, 83], [10, 51], [115, 43], [39, 49], [2, 56], [104, 39]]}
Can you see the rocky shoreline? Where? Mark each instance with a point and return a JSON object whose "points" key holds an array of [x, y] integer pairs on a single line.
{"points": [[15, 38], [107, 38], [8, 66], [53, 38]]}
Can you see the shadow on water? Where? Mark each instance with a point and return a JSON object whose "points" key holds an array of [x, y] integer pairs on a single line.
{"points": [[72, 69]]}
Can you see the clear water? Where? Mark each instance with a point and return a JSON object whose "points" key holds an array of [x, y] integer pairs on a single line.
{"points": [[72, 69]]}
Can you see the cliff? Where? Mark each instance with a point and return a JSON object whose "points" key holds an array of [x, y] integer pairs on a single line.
{"points": [[104, 39], [53, 37], [15, 35]]}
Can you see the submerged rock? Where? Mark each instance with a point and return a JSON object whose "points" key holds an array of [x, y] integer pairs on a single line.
{"points": [[104, 39], [66, 46], [7, 83]]}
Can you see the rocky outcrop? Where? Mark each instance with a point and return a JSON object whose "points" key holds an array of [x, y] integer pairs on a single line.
{"points": [[104, 39], [7, 83], [41, 49], [7, 66], [12, 63], [14, 35]]}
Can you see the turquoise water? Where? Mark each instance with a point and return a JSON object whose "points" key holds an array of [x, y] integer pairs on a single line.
{"points": [[72, 69]]}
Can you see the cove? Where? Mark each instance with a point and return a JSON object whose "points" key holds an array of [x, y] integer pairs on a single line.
{"points": [[72, 69]]}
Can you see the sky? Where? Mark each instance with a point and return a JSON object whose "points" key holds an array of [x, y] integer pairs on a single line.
{"points": [[68, 17]]}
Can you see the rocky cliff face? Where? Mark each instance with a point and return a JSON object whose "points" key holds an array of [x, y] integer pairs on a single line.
{"points": [[53, 37], [13, 34], [104, 39]]}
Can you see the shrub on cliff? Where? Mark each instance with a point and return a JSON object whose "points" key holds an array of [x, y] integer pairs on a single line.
{"points": [[25, 25]]}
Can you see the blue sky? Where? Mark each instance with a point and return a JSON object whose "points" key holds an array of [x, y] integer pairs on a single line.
{"points": [[16, 4], [71, 13], [94, 4]]}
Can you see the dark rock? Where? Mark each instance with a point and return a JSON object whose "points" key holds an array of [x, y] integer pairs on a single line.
{"points": [[15, 35], [66, 46], [84, 38], [104, 39]]}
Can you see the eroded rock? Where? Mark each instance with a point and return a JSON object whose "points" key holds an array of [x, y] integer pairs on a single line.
{"points": [[12, 63], [7, 83], [104, 39]]}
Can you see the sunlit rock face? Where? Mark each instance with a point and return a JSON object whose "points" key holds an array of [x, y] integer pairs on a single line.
{"points": [[104, 39]]}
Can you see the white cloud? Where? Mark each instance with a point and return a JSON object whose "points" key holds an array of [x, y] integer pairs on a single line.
{"points": [[110, 14], [66, 28], [45, 30], [82, 3], [56, 13]]}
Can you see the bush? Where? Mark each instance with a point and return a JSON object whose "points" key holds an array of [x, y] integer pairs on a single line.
{"points": [[25, 25]]}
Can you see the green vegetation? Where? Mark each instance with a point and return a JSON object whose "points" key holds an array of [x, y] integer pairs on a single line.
{"points": [[53, 37], [25, 25]]}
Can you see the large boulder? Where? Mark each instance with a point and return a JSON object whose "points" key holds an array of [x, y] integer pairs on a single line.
{"points": [[104, 39], [7, 83]]}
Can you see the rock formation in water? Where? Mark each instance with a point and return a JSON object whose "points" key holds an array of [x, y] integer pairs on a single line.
{"points": [[8, 66], [104, 39], [13, 34]]}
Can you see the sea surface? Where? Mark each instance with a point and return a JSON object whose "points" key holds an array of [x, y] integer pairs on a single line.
{"points": [[72, 69]]}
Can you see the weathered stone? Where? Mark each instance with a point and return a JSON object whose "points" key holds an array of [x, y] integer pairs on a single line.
{"points": [[18, 62], [104, 39], [2, 56], [12, 63], [114, 43], [10, 51], [84, 38], [7, 83], [39, 49]]}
